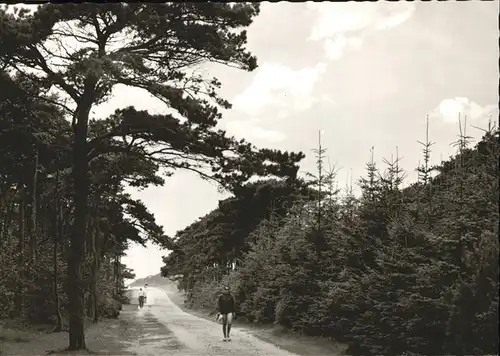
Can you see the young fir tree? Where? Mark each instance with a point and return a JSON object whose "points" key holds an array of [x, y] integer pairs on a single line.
{"points": [[318, 181], [424, 175], [391, 182], [332, 193], [424, 171], [371, 193], [349, 201], [371, 185], [326, 206]]}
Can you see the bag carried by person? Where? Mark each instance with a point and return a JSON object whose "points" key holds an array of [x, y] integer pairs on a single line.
{"points": [[218, 318]]}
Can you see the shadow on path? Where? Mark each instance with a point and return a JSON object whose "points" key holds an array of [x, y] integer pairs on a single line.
{"points": [[135, 332], [147, 335]]}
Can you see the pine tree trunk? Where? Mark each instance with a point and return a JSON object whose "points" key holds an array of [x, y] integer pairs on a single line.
{"points": [[8, 222], [33, 227], [57, 233], [5, 207], [95, 296], [76, 255], [116, 272], [88, 249], [76, 306], [5, 237], [19, 300], [3, 223], [90, 304], [95, 273]]}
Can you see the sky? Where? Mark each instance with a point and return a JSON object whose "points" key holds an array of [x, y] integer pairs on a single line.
{"points": [[365, 74]]}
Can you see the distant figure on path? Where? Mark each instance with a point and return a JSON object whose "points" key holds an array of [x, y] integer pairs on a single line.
{"points": [[145, 294], [226, 309], [141, 298]]}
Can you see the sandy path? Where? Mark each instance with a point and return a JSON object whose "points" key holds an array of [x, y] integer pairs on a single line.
{"points": [[159, 329], [191, 335]]}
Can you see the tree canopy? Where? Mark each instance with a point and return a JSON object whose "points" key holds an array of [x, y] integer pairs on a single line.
{"points": [[153, 47]]}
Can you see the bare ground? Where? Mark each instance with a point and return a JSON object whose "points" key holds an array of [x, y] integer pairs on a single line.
{"points": [[123, 336]]}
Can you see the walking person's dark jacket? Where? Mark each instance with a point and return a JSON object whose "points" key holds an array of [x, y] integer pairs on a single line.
{"points": [[226, 304]]}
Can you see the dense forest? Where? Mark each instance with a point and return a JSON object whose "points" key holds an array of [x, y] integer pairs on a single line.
{"points": [[65, 215], [37, 207], [395, 271]]}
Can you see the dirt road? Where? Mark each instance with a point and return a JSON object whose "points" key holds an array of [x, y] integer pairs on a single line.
{"points": [[161, 328], [167, 327]]}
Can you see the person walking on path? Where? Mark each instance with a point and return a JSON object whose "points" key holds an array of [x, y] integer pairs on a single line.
{"points": [[141, 298], [226, 309]]}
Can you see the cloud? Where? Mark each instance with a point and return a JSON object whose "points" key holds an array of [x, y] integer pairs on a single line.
{"points": [[252, 131], [343, 26], [396, 18], [279, 86], [336, 46], [449, 109]]}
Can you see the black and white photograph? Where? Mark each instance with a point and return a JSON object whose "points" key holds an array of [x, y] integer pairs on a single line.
{"points": [[249, 178]]}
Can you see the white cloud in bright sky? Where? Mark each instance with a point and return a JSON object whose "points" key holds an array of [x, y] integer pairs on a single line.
{"points": [[290, 90], [281, 87], [252, 130], [336, 46], [365, 73], [343, 26], [450, 109]]}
